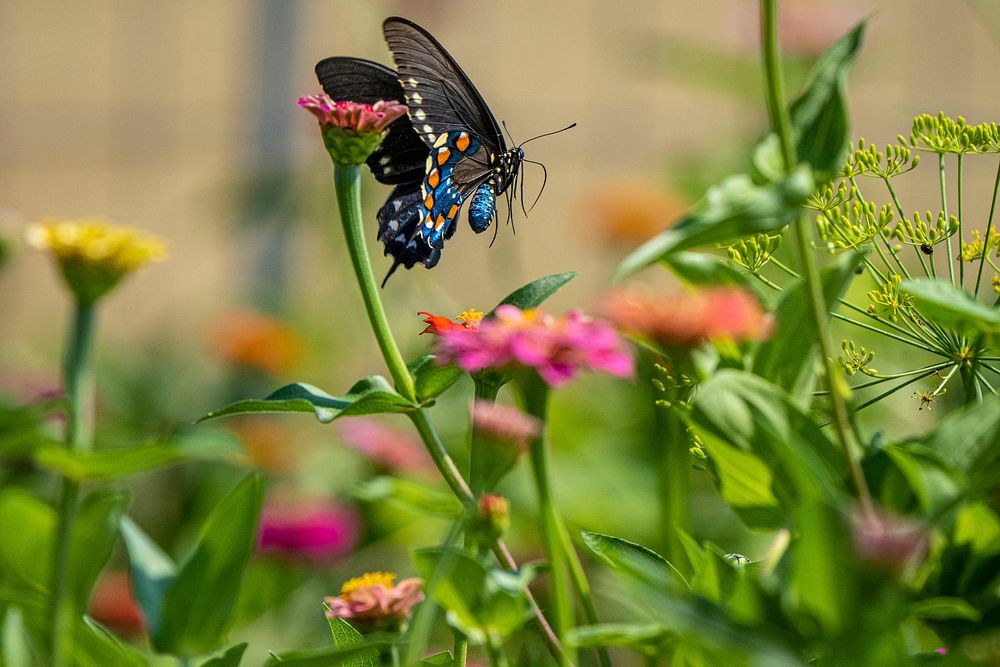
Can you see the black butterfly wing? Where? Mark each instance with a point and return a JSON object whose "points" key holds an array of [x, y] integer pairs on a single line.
{"points": [[402, 154], [440, 97]]}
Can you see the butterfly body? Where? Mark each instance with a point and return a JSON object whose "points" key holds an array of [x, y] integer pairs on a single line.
{"points": [[449, 128]]}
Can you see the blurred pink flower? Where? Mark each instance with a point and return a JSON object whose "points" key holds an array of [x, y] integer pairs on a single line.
{"points": [[360, 118], [688, 317], [557, 347], [888, 541], [504, 422], [373, 598], [387, 447], [315, 529]]}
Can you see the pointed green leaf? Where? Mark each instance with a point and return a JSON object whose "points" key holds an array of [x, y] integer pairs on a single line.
{"points": [[26, 560], [534, 293], [734, 208], [431, 379], [95, 532], [152, 572], [95, 646], [952, 307], [643, 637], [231, 658], [442, 658], [372, 395], [698, 268], [789, 358], [321, 657], [199, 603], [627, 556], [346, 637], [409, 495], [944, 609]]}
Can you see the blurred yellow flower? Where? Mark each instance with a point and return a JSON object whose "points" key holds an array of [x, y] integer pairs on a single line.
{"points": [[94, 255]]}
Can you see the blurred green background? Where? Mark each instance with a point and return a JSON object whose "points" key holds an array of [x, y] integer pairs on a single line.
{"points": [[180, 118]]}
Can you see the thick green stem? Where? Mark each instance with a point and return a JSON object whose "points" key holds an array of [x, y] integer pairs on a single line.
{"points": [[781, 124], [347, 180], [79, 438], [442, 459], [461, 649], [536, 393]]}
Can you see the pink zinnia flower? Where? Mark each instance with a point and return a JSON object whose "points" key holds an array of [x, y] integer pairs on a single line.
{"points": [[557, 347], [505, 423], [374, 599], [689, 317], [315, 530], [387, 447], [359, 118]]}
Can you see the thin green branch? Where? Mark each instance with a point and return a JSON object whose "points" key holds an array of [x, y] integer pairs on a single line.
{"points": [[989, 228], [944, 209]]}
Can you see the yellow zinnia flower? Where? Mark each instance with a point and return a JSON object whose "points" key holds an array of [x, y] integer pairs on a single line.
{"points": [[94, 255]]}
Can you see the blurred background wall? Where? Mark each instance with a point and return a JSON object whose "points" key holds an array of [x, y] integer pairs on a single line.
{"points": [[180, 117]]}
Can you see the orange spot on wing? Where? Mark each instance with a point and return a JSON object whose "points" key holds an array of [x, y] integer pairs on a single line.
{"points": [[440, 222], [443, 155], [453, 212], [462, 142], [434, 178], [429, 202]]}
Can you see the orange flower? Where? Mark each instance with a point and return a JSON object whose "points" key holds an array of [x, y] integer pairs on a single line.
{"points": [[114, 606], [438, 324], [688, 317], [254, 340], [630, 212], [269, 444]]}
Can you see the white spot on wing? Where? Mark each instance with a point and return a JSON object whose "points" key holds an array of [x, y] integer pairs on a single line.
{"points": [[412, 82], [419, 114], [417, 98], [427, 128]]}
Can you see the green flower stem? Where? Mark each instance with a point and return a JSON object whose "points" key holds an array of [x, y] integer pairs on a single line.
{"points": [[347, 181], [78, 381], [984, 382], [888, 334], [536, 393], [961, 264], [781, 124], [348, 187], [895, 376], [460, 651], [881, 235], [944, 209], [989, 228], [484, 391], [893, 390], [494, 652], [899, 211]]}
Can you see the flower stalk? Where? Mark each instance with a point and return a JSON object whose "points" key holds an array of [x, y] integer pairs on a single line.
{"points": [[781, 124], [79, 389]]}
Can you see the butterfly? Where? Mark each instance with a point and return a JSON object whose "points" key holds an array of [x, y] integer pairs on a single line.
{"points": [[447, 151]]}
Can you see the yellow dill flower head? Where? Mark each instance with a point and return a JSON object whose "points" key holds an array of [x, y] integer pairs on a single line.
{"points": [[367, 579], [94, 255]]}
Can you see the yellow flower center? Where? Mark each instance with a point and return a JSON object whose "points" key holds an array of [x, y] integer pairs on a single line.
{"points": [[367, 579], [471, 318]]}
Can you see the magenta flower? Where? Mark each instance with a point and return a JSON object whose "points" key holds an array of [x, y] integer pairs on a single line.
{"points": [[372, 598], [887, 541], [314, 530], [557, 347], [351, 130]]}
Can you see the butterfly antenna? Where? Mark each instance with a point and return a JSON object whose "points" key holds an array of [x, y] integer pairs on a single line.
{"points": [[509, 135], [520, 174], [547, 134], [545, 178]]}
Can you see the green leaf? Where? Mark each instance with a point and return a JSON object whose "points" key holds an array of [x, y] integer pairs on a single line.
{"points": [[819, 115], [442, 658], [110, 464], [697, 268], [643, 637], [95, 646], [345, 637], [745, 484], [951, 307], [819, 582], [789, 358], [969, 439], [15, 645], [534, 293], [199, 603], [26, 560], [628, 556], [734, 208], [409, 495], [95, 532], [152, 572], [372, 395], [432, 380], [231, 658], [740, 410], [945, 609], [481, 603], [321, 657], [23, 428]]}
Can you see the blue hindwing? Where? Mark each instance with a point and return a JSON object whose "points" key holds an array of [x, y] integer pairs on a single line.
{"points": [[442, 196]]}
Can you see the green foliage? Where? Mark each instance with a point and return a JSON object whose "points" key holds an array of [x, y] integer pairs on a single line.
{"points": [[951, 307], [536, 292], [431, 379], [190, 607], [372, 395], [346, 637], [231, 657], [735, 208], [409, 495]]}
